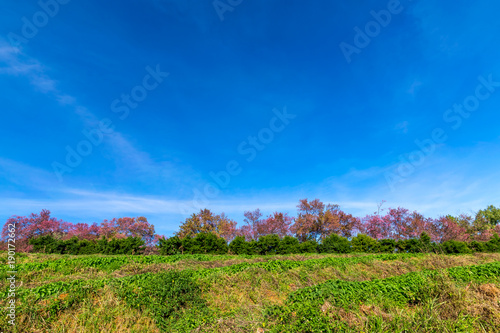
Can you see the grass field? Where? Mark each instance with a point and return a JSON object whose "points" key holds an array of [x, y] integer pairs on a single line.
{"points": [[293, 293]]}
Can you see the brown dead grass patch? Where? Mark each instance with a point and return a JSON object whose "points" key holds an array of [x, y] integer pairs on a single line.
{"points": [[104, 313], [489, 290], [484, 302]]}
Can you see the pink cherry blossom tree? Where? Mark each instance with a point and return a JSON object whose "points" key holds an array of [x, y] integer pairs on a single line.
{"points": [[43, 224], [33, 226], [446, 228], [253, 220], [275, 224]]}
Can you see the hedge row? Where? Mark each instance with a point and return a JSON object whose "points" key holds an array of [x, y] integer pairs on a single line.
{"points": [[208, 243], [273, 244], [48, 244]]}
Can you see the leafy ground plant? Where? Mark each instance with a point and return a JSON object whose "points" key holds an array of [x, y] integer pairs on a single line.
{"points": [[317, 308]]}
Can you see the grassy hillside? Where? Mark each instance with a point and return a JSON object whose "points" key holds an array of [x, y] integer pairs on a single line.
{"points": [[294, 293]]}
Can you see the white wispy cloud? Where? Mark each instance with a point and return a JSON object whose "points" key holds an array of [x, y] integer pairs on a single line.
{"points": [[432, 191], [15, 62], [130, 160]]}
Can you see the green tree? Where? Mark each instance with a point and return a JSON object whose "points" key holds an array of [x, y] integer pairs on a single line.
{"points": [[208, 243], [169, 246], [334, 244], [455, 247], [240, 246], [386, 245], [288, 245], [268, 244], [491, 214], [310, 246], [364, 243]]}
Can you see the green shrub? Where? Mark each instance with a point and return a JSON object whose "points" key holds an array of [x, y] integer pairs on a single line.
{"points": [[455, 247], [409, 245], [387, 245], [310, 246], [129, 245], [288, 245], [334, 244], [45, 244], [48, 244], [364, 243], [425, 242], [202, 243], [267, 244], [208, 243], [84, 246], [477, 246], [239, 246], [493, 245], [170, 246]]}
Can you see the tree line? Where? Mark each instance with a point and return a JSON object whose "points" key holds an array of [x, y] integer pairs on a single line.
{"points": [[317, 227], [316, 220], [56, 232]]}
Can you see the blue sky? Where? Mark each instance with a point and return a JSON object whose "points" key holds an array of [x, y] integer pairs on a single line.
{"points": [[265, 88]]}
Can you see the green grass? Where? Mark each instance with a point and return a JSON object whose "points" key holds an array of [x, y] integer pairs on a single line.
{"points": [[303, 311], [295, 293]]}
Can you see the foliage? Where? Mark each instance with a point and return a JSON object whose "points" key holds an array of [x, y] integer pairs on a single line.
{"points": [[316, 220], [288, 245], [397, 224], [267, 244], [309, 246], [48, 244], [129, 245], [206, 243], [169, 296], [170, 246], [207, 222], [37, 225], [455, 247], [476, 246], [304, 309], [128, 227], [240, 246], [272, 244], [334, 244], [493, 245], [416, 245], [317, 227], [408, 246], [377, 227], [386, 245], [33, 226], [448, 228], [364, 243], [491, 214], [253, 221], [275, 224]]}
